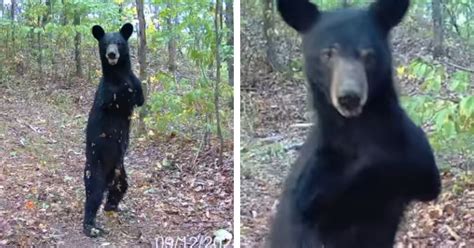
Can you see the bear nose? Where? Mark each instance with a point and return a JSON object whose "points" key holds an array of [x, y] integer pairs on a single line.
{"points": [[349, 101], [111, 55]]}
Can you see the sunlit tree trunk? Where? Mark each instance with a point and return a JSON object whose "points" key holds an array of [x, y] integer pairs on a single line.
{"points": [[142, 39], [170, 22], [452, 19], [51, 38], [218, 31], [142, 58], [268, 31], [1, 8], [12, 15], [345, 3], [437, 28], [229, 22], [40, 48], [63, 14], [77, 46], [120, 10]]}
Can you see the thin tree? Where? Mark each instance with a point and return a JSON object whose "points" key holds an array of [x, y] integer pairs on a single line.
{"points": [[345, 3], [437, 28], [12, 15], [142, 58], [77, 44], [51, 39], [268, 32], [217, 30], [170, 22], [229, 22]]}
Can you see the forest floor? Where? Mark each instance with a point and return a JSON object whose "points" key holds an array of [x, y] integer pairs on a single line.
{"points": [[171, 195], [272, 103]]}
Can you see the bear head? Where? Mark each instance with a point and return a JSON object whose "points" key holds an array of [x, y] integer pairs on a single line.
{"points": [[113, 47], [347, 56]]}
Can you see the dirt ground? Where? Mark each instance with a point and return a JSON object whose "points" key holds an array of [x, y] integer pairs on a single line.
{"points": [[171, 193]]}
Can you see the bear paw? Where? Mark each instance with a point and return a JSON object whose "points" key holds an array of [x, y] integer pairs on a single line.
{"points": [[93, 231]]}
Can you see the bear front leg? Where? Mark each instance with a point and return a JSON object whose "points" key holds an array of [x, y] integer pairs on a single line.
{"points": [[106, 98], [416, 177], [95, 185], [139, 98], [318, 185], [410, 172], [117, 189]]}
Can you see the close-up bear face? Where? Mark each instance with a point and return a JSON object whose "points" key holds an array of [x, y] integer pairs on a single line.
{"points": [[346, 52], [113, 47], [347, 62]]}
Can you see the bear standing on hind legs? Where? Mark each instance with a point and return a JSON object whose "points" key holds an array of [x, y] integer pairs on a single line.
{"points": [[364, 160], [108, 127]]}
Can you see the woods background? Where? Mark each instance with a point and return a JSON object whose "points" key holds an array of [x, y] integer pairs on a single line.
{"points": [[180, 162], [183, 52], [434, 65]]}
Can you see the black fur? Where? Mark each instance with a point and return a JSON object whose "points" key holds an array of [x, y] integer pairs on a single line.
{"points": [[354, 176], [108, 128]]}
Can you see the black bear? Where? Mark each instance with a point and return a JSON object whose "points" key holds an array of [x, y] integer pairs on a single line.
{"points": [[108, 127], [364, 160]]}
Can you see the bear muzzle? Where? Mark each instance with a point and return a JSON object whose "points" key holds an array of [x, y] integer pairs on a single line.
{"points": [[349, 87], [112, 54]]}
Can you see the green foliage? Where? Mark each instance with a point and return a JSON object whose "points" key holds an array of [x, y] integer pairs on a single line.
{"points": [[450, 119], [46, 38], [45, 32], [184, 102], [189, 111]]}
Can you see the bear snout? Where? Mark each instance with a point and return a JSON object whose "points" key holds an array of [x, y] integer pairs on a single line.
{"points": [[350, 101], [112, 54], [349, 87]]}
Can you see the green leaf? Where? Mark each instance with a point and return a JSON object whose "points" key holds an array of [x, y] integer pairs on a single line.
{"points": [[459, 82], [466, 107]]}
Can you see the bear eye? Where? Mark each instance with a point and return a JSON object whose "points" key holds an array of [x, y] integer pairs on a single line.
{"points": [[327, 54], [368, 56]]}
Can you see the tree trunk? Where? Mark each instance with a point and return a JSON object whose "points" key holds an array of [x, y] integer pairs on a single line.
{"points": [[217, 20], [40, 54], [12, 15], [47, 19], [39, 48], [229, 22], [120, 10], [77, 46], [142, 60], [64, 16], [345, 3], [1, 8], [170, 22], [437, 28], [268, 31], [142, 39], [12, 10], [453, 21]]}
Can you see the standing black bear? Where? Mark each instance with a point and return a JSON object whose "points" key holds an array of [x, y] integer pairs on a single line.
{"points": [[108, 127], [365, 160]]}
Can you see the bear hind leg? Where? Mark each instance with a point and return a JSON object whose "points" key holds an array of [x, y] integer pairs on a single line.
{"points": [[116, 190], [94, 179]]}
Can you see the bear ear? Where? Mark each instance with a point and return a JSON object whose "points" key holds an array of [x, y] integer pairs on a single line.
{"points": [[126, 30], [98, 32], [389, 13], [299, 14]]}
